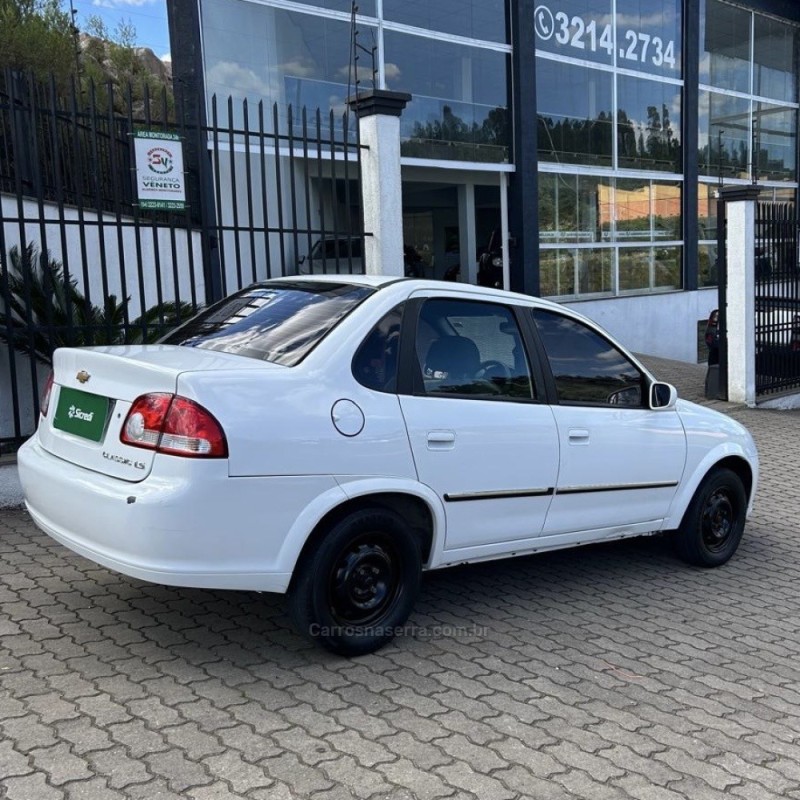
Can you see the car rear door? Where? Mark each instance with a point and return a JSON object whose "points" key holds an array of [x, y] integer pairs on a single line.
{"points": [[480, 434]]}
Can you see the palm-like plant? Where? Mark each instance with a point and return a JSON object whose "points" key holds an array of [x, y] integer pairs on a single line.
{"points": [[41, 310]]}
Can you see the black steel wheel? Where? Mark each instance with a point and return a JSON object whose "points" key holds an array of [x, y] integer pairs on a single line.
{"points": [[355, 588], [714, 521]]}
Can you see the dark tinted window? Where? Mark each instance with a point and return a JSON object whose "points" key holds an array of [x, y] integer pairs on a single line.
{"points": [[375, 363], [280, 322], [586, 367], [473, 349]]}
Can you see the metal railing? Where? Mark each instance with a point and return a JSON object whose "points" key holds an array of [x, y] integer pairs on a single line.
{"points": [[777, 298], [82, 263]]}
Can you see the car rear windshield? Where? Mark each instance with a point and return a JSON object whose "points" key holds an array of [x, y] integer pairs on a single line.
{"points": [[281, 323]]}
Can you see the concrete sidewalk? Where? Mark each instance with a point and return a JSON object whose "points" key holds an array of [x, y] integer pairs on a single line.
{"points": [[10, 489]]}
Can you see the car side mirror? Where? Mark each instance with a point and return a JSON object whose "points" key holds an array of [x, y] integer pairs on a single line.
{"points": [[663, 396]]}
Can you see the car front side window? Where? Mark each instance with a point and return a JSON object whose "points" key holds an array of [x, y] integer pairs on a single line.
{"points": [[586, 367]]}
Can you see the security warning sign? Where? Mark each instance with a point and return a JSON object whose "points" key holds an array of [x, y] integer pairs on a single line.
{"points": [[160, 182]]}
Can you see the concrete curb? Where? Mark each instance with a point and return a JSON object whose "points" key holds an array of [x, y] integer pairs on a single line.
{"points": [[10, 487]]}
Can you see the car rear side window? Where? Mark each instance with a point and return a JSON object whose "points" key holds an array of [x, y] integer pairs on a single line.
{"points": [[375, 363], [279, 322]]}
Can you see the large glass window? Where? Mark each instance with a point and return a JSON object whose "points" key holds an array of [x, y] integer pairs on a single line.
{"points": [[647, 210], [649, 36], [724, 135], [269, 55], [620, 113], [481, 20], [725, 46], [574, 208], [748, 56], [458, 105], [649, 268], [775, 58], [259, 51], [648, 124], [577, 271], [575, 113], [578, 28], [775, 135], [364, 6]]}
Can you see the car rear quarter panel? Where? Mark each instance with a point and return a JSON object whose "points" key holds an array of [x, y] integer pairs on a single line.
{"points": [[279, 422]]}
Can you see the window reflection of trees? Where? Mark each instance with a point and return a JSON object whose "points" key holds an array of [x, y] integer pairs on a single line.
{"points": [[455, 138]]}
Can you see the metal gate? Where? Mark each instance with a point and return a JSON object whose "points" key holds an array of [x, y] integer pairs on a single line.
{"points": [[270, 192], [777, 298]]}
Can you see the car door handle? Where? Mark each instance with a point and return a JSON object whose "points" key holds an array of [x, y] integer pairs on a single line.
{"points": [[441, 440], [578, 436]]}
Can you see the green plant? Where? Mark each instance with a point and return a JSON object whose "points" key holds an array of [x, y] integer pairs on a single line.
{"points": [[41, 310]]}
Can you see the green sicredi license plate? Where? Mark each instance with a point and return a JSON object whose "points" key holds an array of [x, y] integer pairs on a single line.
{"points": [[81, 413]]}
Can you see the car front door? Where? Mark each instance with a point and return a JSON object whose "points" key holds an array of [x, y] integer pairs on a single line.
{"points": [[621, 462], [481, 436]]}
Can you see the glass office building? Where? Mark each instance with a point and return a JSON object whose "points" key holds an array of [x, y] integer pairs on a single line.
{"points": [[605, 127]]}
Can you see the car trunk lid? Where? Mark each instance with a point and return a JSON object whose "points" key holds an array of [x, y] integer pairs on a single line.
{"points": [[94, 388]]}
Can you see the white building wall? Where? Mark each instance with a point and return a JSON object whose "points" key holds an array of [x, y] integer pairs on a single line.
{"points": [[173, 263], [663, 324]]}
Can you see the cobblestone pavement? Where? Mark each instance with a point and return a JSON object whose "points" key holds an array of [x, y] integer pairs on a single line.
{"points": [[607, 672]]}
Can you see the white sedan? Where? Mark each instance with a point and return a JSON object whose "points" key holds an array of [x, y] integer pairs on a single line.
{"points": [[331, 437]]}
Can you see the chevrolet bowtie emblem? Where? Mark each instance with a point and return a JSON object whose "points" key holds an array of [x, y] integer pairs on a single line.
{"points": [[83, 376]]}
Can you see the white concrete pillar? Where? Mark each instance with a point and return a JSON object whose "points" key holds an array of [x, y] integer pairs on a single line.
{"points": [[378, 112], [467, 237], [740, 248]]}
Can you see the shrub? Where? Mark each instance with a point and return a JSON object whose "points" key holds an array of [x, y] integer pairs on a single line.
{"points": [[41, 310]]}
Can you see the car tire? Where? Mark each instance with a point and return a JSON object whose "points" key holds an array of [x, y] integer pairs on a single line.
{"points": [[713, 524], [356, 586]]}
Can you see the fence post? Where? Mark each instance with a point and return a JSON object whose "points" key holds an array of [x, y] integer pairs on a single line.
{"points": [[740, 249], [378, 112]]}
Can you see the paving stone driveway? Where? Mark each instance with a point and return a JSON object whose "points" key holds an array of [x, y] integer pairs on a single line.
{"points": [[607, 672]]}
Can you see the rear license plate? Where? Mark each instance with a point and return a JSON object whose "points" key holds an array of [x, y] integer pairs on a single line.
{"points": [[81, 413]]}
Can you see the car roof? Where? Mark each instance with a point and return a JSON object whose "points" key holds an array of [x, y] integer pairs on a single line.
{"points": [[419, 284]]}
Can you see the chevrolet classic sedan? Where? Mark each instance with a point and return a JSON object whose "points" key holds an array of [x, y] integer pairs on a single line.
{"points": [[330, 438]]}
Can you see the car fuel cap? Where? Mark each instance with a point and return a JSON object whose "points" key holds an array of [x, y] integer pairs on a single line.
{"points": [[347, 418]]}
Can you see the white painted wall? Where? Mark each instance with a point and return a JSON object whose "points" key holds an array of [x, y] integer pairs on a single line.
{"points": [[663, 324], [121, 259]]}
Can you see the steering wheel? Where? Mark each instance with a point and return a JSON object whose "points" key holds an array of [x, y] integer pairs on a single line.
{"points": [[493, 369]]}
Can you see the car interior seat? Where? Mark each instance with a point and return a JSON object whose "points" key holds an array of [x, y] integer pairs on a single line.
{"points": [[452, 360]]}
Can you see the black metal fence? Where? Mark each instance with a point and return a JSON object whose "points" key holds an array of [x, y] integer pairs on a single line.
{"points": [[269, 192], [777, 298]]}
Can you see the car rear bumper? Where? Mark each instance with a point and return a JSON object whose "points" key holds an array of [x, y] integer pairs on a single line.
{"points": [[187, 524]]}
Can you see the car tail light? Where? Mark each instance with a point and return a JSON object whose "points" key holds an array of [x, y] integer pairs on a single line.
{"points": [[48, 390], [174, 425]]}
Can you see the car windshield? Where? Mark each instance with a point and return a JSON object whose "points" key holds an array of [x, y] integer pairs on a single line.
{"points": [[281, 323]]}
